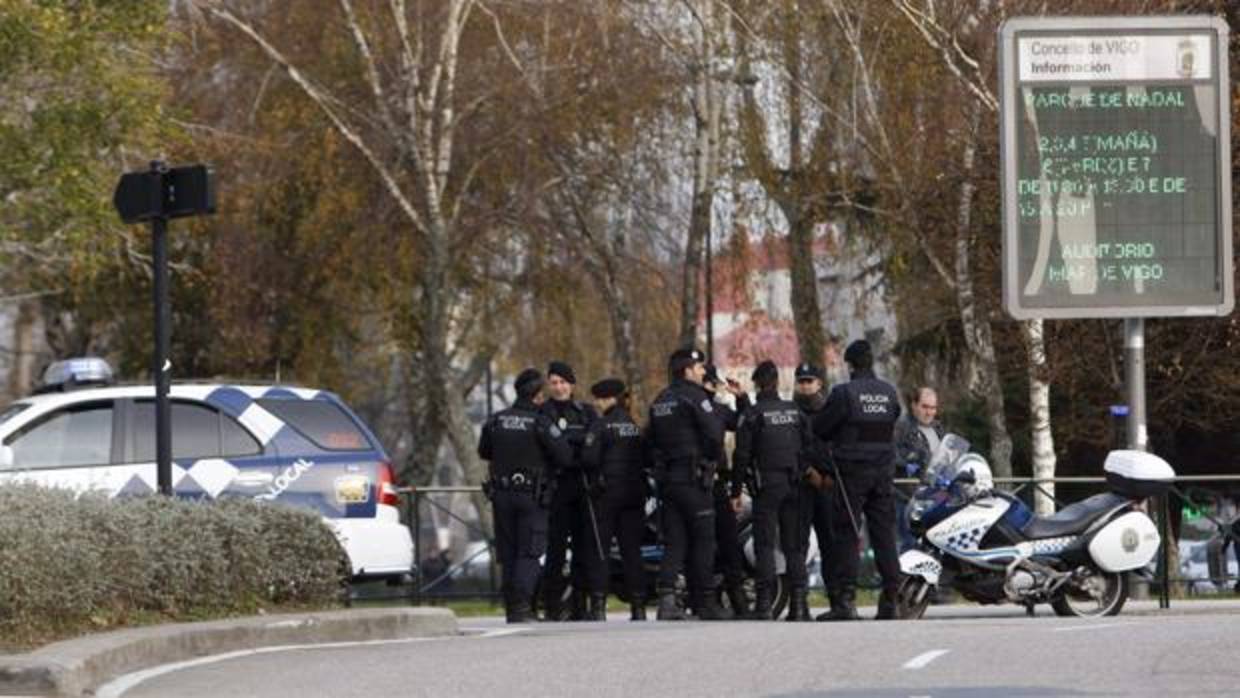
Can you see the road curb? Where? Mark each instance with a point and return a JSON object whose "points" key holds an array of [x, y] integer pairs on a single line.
{"points": [[73, 667]]}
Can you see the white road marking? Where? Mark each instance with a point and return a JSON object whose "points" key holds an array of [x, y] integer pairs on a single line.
{"points": [[118, 686], [921, 660], [1103, 626]]}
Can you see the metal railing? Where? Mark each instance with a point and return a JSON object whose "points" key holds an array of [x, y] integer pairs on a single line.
{"points": [[433, 581]]}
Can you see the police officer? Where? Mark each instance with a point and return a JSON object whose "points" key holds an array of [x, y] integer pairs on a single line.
{"points": [[571, 523], [858, 420], [685, 439], [613, 453], [524, 450], [817, 490], [727, 493], [772, 443]]}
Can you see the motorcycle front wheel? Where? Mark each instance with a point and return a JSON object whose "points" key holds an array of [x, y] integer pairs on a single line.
{"points": [[912, 598], [1093, 595]]}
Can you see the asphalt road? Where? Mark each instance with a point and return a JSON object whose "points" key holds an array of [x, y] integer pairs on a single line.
{"points": [[1191, 650]]}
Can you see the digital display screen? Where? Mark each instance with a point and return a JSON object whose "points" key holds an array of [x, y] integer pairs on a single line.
{"points": [[1115, 146]]}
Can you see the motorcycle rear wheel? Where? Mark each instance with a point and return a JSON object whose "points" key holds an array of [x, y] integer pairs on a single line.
{"points": [[1096, 595]]}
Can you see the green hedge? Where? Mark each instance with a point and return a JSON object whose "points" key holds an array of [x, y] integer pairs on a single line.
{"points": [[72, 563]]}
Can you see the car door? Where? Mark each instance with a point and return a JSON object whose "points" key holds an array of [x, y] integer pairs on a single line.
{"points": [[212, 453], [74, 446]]}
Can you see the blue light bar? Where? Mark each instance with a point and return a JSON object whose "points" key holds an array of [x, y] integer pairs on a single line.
{"points": [[75, 373]]}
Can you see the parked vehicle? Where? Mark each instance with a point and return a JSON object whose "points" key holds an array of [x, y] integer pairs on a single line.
{"points": [[994, 550], [297, 446]]}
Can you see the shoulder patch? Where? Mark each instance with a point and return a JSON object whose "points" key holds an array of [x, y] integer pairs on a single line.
{"points": [[554, 431], [706, 406]]}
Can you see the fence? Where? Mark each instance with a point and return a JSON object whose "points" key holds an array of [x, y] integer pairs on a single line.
{"points": [[438, 578]]}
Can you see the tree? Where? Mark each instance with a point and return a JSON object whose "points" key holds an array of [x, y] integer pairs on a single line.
{"points": [[80, 101]]}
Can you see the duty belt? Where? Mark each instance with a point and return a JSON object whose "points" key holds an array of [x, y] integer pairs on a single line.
{"points": [[516, 482]]}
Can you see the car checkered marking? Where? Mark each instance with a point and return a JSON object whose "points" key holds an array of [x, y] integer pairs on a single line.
{"points": [[213, 475], [233, 400], [264, 424]]}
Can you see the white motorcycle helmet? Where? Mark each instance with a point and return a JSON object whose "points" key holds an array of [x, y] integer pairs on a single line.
{"points": [[973, 475]]}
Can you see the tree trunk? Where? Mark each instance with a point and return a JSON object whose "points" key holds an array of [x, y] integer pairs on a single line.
{"points": [[21, 371], [977, 333], [806, 313], [699, 226], [1040, 416], [620, 312]]}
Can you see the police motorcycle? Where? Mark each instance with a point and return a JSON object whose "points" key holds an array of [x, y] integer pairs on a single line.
{"points": [[992, 549]]}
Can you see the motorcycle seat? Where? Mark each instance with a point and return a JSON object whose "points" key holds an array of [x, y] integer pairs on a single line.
{"points": [[1074, 518]]}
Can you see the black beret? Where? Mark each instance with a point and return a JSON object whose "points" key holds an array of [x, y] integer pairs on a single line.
{"points": [[859, 354], [766, 372], [808, 370], [608, 387], [527, 380], [563, 370]]}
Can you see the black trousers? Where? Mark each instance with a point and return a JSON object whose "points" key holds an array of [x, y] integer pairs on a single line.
{"points": [[622, 515], [777, 521], [688, 527], [728, 552], [520, 539], [569, 526], [817, 514], [871, 495]]}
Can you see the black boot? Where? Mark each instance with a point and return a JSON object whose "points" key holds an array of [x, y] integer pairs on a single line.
{"points": [[518, 612], [553, 608], [738, 601], [798, 606], [668, 608], [577, 606], [887, 606], [842, 607], [709, 609], [762, 605], [597, 608], [637, 610]]}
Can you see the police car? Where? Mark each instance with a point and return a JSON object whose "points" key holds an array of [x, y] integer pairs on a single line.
{"points": [[292, 445]]}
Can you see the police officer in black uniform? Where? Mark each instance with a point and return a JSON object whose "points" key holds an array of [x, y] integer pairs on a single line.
{"points": [[858, 420], [772, 444], [524, 450], [685, 439], [817, 491], [614, 456], [726, 495], [571, 523]]}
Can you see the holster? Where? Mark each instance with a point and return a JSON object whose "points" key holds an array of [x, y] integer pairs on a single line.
{"points": [[704, 473]]}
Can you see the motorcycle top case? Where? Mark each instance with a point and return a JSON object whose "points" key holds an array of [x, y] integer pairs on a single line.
{"points": [[1138, 474]]}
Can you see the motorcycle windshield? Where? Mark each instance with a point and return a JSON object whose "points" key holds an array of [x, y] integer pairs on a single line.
{"points": [[944, 462]]}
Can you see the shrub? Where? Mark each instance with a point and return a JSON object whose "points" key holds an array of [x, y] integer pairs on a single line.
{"points": [[73, 562]]}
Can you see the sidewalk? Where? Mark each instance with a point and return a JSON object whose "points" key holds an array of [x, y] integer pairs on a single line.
{"points": [[73, 667]]}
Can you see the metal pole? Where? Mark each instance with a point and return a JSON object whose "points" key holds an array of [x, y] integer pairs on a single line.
{"points": [[1134, 375], [1164, 564], [710, 298], [416, 520], [161, 367], [490, 388]]}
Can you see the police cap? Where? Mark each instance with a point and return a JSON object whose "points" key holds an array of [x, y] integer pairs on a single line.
{"points": [[808, 370], [608, 387], [859, 354], [684, 358], [563, 370], [528, 382], [766, 374]]}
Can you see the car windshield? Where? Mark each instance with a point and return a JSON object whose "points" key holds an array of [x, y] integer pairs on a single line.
{"points": [[943, 463], [12, 410]]}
